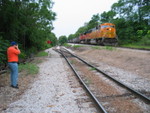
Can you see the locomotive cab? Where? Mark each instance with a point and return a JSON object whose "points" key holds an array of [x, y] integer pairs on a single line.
{"points": [[108, 34]]}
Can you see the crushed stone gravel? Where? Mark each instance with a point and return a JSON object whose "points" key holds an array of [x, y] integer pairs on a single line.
{"points": [[52, 92]]}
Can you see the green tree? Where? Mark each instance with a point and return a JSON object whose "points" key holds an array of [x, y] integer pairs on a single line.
{"points": [[107, 16], [28, 22], [95, 20], [87, 26], [53, 39], [131, 16], [62, 40], [71, 36]]}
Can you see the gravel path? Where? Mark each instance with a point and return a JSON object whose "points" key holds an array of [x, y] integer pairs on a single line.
{"points": [[53, 92]]}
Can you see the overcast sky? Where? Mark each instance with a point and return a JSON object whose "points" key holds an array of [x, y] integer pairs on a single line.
{"points": [[72, 14]]}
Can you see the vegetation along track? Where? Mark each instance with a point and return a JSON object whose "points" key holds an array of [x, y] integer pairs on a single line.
{"points": [[145, 49], [108, 100]]}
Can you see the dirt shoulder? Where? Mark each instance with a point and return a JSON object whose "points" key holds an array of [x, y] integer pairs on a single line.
{"points": [[135, 61], [9, 94]]}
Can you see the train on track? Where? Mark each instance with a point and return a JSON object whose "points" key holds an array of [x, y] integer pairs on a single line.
{"points": [[103, 34]]}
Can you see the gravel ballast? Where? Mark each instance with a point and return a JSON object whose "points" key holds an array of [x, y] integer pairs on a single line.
{"points": [[56, 89], [53, 92]]}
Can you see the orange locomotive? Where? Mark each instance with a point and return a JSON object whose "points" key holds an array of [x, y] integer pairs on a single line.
{"points": [[104, 34]]}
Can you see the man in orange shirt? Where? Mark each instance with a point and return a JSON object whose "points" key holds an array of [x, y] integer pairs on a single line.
{"points": [[12, 54]]}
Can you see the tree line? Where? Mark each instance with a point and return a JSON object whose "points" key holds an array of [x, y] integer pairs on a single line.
{"points": [[29, 23], [132, 20]]}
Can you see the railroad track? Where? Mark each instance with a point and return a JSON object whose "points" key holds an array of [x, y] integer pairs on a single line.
{"points": [[99, 100]]}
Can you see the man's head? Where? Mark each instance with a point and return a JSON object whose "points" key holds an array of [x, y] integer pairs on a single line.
{"points": [[13, 43]]}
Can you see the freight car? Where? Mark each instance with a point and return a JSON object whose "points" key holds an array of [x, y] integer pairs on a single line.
{"points": [[103, 34]]}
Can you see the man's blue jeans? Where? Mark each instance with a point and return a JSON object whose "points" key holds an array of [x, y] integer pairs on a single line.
{"points": [[14, 73]]}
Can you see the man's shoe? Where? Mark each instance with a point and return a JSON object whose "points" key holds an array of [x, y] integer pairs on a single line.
{"points": [[15, 86]]}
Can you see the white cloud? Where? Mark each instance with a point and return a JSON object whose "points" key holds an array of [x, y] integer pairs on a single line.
{"points": [[72, 14]]}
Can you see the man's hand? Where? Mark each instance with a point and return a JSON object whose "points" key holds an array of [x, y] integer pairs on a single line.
{"points": [[16, 46]]}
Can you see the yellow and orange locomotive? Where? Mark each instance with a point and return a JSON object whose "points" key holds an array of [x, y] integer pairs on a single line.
{"points": [[104, 34]]}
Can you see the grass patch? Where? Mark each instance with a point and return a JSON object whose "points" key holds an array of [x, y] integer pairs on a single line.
{"points": [[92, 69], [29, 68], [136, 46], [42, 53], [67, 45], [77, 46], [96, 47], [72, 61], [109, 48], [38, 61]]}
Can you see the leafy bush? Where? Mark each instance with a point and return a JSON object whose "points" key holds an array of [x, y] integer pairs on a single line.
{"points": [[146, 39], [47, 46], [62, 40], [4, 44], [22, 55]]}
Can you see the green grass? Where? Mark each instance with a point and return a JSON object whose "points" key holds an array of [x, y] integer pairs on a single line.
{"points": [[109, 48], [105, 47], [67, 45], [32, 68], [96, 47], [42, 53], [72, 61], [29, 68], [136, 46], [92, 69]]}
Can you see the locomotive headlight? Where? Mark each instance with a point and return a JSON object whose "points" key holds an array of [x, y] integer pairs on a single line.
{"points": [[109, 28]]}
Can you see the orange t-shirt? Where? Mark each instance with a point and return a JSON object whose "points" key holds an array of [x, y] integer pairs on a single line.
{"points": [[12, 54]]}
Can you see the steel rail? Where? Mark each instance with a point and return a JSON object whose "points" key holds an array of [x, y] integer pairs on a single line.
{"points": [[143, 97], [102, 109]]}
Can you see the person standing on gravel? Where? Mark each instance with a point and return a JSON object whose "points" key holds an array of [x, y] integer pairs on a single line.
{"points": [[12, 55]]}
